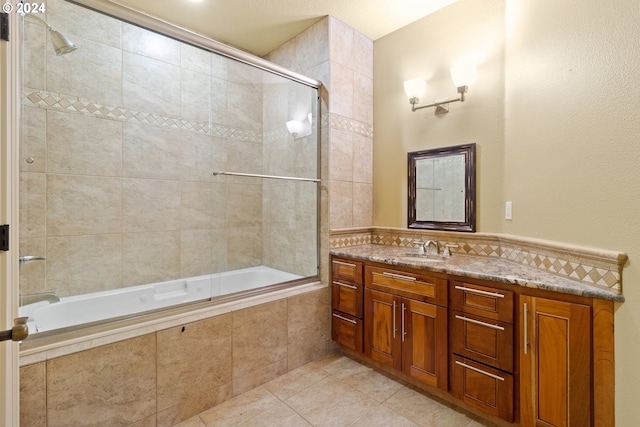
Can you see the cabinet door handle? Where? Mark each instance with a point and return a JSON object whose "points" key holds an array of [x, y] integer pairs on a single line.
{"points": [[345, 319], [344, 285], [525, 327], [346, 264], [394, 319], [399, 276], [480, 371], [479, 292], [477, 322], [402, 323]]}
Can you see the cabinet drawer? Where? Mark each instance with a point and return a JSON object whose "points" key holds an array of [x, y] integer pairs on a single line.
{"points": [[484, 301], [484, 340], [347, 297], [346, 330], [483, 387], [415, 286], [345, 269]]}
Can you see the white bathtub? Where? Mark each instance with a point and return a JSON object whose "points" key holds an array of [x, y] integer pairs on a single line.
{"points": [[87, 308]]}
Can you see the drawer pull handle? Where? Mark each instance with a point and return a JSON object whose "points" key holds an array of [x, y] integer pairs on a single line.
{"points": [[464, 365], [399, 276], [344, 285], [345, 319], [477, 322], [526, 332], [479, 292], [346, 264], [404, 332]]}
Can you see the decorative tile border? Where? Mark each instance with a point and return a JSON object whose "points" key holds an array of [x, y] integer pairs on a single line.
{"points": [[59, 102], [344, 123], [587, 265]]}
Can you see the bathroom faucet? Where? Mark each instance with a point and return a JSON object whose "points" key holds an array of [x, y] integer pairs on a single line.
{"points": [[49, 296], [435, 245]]}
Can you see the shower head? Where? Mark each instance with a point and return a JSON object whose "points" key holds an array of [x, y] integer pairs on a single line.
{"points": [[61, 44]]}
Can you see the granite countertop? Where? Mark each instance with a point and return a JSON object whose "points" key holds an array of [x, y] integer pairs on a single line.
{"points": [[477, 267]]}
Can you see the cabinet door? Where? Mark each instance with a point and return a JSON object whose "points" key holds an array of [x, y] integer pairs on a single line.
{"points": [[382, 322], [555, 363], [423, 332]]}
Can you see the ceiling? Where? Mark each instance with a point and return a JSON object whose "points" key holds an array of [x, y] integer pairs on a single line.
{"points": [[259, 26]]}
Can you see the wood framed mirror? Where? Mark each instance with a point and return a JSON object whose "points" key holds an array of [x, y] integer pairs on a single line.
{"points": [[442, 188]]}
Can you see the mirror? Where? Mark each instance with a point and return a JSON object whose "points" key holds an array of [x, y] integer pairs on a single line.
{"points": [[442, 188]]}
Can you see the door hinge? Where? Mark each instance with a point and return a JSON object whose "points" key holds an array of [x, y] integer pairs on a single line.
{"points": [[4, 237], [4, 26]]}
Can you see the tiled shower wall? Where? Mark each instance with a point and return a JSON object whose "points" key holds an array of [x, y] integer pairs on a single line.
{"points": [[120, 140]]}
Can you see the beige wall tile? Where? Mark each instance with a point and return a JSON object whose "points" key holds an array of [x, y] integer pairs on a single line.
{"points": [[33, 395], [150, 152], [341, 42], [142, 78], [150, 257], [195, 95], [219, 99], [35, 44], [243, 205], [112, 385], [341, 91], [195, 59], [195, 161], [194, 361], [308, 327], [196, 205], [362, 55], [196, 253], [363, 98], [33, 274], [362, 159], [362, 204], [79, 21], [32, 211], [341, 155], [93, 72], [341, 204], [82, 264], [83, 205], [33, 139], [82, 145], [150, 205], [245, 104], [259, 345], [150, 44], [244, 247]]}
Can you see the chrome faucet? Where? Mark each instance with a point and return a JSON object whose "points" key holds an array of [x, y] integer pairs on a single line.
{"points": [[435, 244], [50, 296]]}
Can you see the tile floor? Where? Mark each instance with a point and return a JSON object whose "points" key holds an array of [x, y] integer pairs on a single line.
{"points": [[335, 391]]}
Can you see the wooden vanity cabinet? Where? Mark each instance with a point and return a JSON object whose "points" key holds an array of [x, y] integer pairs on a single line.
{"points": [[555, 363], [404, 328], [482, 352], [347, 303]]}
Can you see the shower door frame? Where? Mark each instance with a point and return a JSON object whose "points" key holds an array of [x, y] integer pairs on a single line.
{"points": [[9, 126]]}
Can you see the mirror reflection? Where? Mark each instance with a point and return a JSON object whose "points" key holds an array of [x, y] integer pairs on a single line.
{"points": [[442, 188]]}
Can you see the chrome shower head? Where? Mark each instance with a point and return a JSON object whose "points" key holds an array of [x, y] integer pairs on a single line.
{"points": [[61, 44]]}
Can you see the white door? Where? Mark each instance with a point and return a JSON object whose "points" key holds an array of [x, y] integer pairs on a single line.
{"points": [[9, 119]]}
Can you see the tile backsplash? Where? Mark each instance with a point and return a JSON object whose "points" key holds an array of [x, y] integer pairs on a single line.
{"points": [[601, 268]]}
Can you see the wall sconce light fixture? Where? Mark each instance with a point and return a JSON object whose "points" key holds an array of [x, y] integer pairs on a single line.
{"points": [[300, 128], [462, 76]]}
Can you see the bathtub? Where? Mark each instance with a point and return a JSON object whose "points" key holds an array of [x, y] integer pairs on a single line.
{"points": [[93, 307]]}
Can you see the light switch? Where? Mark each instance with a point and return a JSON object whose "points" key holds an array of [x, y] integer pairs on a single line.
{"points": [[508, 214]]}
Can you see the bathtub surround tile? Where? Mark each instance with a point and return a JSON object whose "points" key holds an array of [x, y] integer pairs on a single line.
{"points": [[341, 155], [362, 204], [150, 84], [197, 205], [194, 362], [244, 103], [150, 152], [84, 264], [363, 98], [196, 253], [33, 139], [196, 152], [32, 208], [243, 205], [259, 345], [195, 59], [309, 328], [243, 248], [83, 205], [341, 204], [32, 274], [113, 385], [220, 100], [195, 90], [35, 57], [341, 99], [100, 77], [150, 205], [150, 257], [362, 159], [33, 395], [78, 21], [80, 145], [150, 44]]}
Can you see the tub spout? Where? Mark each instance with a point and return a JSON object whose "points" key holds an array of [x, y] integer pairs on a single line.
{"points": [[50, 296]]}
